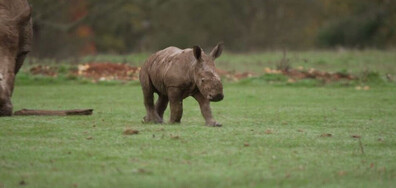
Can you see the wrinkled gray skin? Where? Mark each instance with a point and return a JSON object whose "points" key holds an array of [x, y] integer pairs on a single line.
{"points": [[175, 74], [15, 43]]}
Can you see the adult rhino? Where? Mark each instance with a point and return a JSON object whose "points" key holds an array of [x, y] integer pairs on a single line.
{"points": [[175, 74], [15, 43]]}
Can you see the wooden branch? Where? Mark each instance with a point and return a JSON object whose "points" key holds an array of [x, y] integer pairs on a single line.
{"points": [[29, 112]]}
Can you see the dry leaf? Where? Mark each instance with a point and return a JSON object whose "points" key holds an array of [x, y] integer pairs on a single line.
{"points": [[175, 137], [326, 135], [141, 171], [341, 173], [130, 132], [356, 136], [22, 182]]}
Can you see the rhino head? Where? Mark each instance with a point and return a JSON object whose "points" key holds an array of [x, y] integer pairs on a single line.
{"points": [[205, 76], [15, 43]]}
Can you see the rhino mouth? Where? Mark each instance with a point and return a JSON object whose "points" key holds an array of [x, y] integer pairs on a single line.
{"points": [[215, 98]]}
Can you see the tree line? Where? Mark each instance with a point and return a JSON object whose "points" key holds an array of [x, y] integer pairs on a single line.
{"points": [[79, 27]]}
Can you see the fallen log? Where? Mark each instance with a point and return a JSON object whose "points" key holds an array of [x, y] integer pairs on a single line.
{"points": [[29, 112]]}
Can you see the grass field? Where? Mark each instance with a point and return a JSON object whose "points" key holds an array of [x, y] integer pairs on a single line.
{"points": [[273, 135]]}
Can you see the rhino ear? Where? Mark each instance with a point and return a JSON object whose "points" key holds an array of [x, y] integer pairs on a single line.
{"points": [[197, 52], [216, 52], [24, 16]]}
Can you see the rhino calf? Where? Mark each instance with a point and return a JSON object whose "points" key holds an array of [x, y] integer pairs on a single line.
{"points": [[175, 74]]}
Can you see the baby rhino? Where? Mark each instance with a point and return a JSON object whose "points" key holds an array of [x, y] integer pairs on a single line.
{"points": [[175, 74]]}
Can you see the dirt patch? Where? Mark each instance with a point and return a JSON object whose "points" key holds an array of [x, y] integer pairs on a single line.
{"points": [[300, 73], [234, 76], [326, 135], [356, 136], [108, 71], [268, 131], [22, 182], [292, 74], [141, 171], [44, 70], [98, 71], [130, 132], [318, 75], [175, 137]]}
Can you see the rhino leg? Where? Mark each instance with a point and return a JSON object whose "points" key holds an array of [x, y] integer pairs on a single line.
{"points": [[206, 112], [176, 105], [5, 109], [152, 115], [148, 93], [161, 104]]}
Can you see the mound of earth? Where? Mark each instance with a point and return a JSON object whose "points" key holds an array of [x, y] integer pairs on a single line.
{"points": [[318, 75], [108, 71], [113, 71], [44, 70], [298, 74], [233, 76]]}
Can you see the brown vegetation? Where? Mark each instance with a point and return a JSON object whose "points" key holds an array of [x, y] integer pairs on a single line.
{"points": [[108, 71], [98, 71]]}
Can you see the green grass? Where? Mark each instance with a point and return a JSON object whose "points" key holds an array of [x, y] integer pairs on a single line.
{"points": [[271, 134], [91, 151]]}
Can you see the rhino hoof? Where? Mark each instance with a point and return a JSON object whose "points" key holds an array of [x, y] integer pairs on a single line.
{"points": [[148, 120], [6, 110], [214, 124], [174, 122]]}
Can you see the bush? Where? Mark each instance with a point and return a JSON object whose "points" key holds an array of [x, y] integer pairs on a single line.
{"points": [[352, 32]]}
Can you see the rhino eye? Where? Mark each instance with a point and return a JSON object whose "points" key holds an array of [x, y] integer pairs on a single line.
{"points": [[202, 79]]}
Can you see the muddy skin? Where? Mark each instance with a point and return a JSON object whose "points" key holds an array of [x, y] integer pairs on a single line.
{"points": [[15, 43], [175, 74]]}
